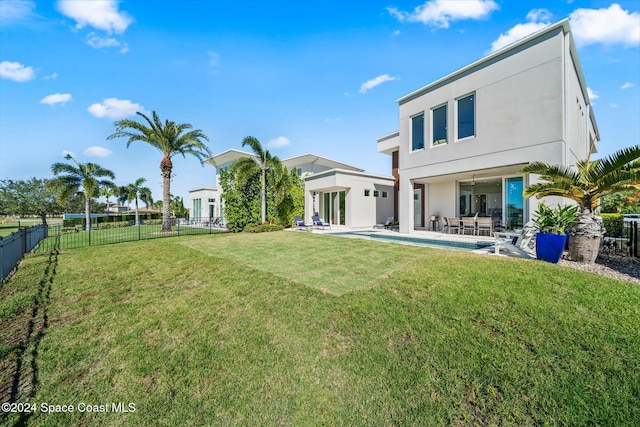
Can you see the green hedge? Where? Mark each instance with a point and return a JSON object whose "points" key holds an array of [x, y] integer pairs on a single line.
{"points": [[113, 219], [613, 223], [262, 228]]}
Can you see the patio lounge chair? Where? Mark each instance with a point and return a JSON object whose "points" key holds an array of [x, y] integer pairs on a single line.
{"points": [[515, 242], [300, 223], [317, 222], [386, 224]]}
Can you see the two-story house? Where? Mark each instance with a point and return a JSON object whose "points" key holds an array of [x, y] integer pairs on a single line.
{"points": [[464, 138]]}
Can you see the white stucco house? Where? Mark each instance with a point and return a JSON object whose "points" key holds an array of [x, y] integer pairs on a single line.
{"points": [[339, 193], [463, 139]]}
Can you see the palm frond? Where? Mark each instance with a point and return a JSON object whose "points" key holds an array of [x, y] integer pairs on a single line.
{"points": [[615, 162]]}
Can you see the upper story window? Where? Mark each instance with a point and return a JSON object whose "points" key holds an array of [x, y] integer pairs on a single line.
{"points": [[466, 116], [417, 132], [367, 193], [439, 125], [212, 200], [299, 171]]}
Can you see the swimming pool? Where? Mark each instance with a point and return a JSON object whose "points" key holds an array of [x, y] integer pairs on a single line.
{"points": [[418, 241]]}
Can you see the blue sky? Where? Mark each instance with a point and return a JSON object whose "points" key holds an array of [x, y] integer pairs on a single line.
{"points": [[302, 76]]}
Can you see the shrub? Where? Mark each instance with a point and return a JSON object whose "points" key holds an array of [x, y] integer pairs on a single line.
{"points": [[613, 223], [555, 220], [262, 228]]}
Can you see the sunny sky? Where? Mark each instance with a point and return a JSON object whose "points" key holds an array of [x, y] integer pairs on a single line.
{"points": [[300, 76]]}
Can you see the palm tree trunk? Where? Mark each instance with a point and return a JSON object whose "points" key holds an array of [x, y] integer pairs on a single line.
{"points": [[137, 216], [87, 212], [263, 193], [166, 166]]}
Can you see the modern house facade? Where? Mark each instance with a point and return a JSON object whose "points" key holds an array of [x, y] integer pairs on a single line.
{"points": [[339, 193], [463, 139]]}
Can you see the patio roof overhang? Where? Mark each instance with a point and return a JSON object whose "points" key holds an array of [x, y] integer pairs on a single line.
{"points": [[477, 175]]}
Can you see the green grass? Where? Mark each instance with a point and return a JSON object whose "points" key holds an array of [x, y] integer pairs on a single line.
{"points": [[9, 226], [81, 238], [297, 329]]}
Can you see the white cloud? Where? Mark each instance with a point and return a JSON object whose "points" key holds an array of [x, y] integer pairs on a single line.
{"points": [[11, 11], [53, 76], [370, 84], [56, 98], [332, 119], [278, 142], [613, 105], [100, 42], [516, 33], [97, 151], [537, 20], [592, 94], [537, 15], [99, 14], [65, 153], [16, 71], [608, 26], [627, 85], [440, 13], [114, 108]]}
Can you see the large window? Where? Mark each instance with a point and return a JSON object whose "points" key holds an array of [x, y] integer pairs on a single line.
{"points": [[417, 132], [197, 212], [466, 116], [439, 125]]}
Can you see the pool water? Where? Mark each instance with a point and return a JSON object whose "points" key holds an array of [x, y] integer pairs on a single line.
{"points": [[418, 241]]}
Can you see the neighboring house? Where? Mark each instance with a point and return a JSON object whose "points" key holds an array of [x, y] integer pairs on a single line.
{"points": [[463, 139], [116, 208], [339, 193]]}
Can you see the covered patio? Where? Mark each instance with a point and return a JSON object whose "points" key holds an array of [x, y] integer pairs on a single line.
{"points": [[493, 193]]}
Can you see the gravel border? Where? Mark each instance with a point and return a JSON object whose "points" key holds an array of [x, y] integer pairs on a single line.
{"points": [[613, 266]]}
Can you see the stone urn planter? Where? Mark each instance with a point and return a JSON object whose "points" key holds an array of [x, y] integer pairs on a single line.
{"points": [[585, 237]]}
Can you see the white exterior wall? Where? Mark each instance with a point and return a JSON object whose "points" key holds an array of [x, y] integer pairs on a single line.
{"points": [[518, 115], [529, 106], [361, 211], [204, 194]]}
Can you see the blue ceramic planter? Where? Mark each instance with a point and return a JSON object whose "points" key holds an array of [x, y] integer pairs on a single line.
{"points": [[549, 247]]}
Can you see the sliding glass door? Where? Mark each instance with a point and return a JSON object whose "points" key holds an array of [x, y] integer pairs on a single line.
{"points": [[334, 207], [514, 202]]}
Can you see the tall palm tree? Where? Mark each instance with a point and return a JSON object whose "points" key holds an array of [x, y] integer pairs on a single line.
{"points": [[108, 192], [170, 139], [586, 184], [81, 178], [135, 191], [262, 163]]}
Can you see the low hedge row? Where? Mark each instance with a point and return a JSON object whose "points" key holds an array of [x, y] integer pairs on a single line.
{"points": [[613, 223], [111, 219], [262, 228]]}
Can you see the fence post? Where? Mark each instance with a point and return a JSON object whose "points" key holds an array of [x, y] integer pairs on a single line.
{"points": [[634, 236], [1, 259], [139, 229]]}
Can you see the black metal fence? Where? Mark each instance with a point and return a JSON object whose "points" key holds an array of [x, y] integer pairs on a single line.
{"points": [[14, 246], [60, 237], [621, 238]]}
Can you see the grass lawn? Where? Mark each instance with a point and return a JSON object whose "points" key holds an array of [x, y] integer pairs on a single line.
{"points": [[103, 236], [291, 328]]}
